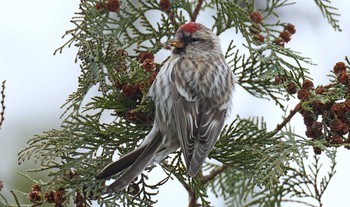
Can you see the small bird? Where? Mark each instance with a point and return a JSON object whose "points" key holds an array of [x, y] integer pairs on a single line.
{"points": [[192, 94]]}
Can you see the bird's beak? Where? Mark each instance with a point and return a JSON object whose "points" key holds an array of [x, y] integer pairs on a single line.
{"points": [[177, 43]]}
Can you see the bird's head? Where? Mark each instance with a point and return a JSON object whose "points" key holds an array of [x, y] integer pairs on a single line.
{"points": [[195, 38]]}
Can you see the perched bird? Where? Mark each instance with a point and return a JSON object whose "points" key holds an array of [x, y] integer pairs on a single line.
{"points": [[192, 94]]}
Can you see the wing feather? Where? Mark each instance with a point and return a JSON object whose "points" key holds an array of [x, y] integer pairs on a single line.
{"points": [[198, 129], [186, 125], [208, 132]]}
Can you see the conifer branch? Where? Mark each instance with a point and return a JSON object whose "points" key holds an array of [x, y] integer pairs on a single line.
{"points": [[2, 103], [173, 20], [192, 199], [287, 119], [196, 10], [204, 180], [330, 12], [213, 173], [299, 202]]}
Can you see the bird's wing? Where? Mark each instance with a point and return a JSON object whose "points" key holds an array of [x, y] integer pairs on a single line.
{"points": [[198, 131], [198, 126], [210, 125]]}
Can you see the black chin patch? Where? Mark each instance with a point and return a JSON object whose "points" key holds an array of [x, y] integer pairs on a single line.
{"points": [[178, 51]]}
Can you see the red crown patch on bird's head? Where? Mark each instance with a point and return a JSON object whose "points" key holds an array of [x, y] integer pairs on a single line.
{"points": [[190, 27]]}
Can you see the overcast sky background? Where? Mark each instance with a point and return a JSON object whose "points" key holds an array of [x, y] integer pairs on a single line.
{"points": [[38, 83]]}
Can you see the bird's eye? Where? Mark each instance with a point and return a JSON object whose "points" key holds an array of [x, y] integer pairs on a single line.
{"points": [[195, 39]]}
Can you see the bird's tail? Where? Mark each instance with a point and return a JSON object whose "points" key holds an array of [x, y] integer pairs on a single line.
{"points": [[134, 163]]}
